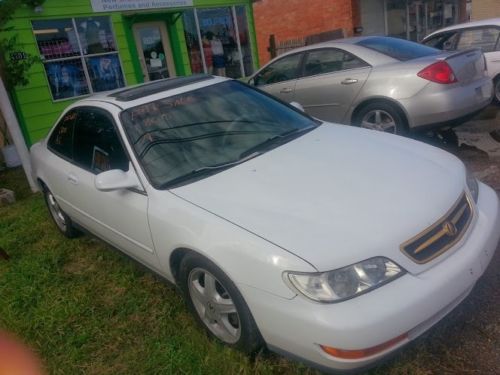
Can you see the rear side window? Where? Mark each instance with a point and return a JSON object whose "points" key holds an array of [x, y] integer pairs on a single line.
{"points": [[284, 69], [398, 49], [61, 140], [330, 60], [97, 147], [444, 41], [484, 38]]}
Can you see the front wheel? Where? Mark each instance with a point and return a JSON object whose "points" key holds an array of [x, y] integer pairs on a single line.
{"points": [[217, 304], [382, 117]]}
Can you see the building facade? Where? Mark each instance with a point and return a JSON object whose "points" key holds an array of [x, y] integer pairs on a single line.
{"points": [[297, 19], [289, 20], [410, 19], [484, 9], [91, 46]]}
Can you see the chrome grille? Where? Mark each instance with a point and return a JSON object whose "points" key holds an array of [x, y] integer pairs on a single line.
{"points": [[442, 235]]}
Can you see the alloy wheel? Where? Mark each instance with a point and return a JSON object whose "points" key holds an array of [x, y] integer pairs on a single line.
{"points": [[214, 305], [379, 120]]}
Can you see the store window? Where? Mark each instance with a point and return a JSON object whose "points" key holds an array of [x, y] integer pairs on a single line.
{"points": [[79, 56], [414, 19], [193, 42], [218, 41]]}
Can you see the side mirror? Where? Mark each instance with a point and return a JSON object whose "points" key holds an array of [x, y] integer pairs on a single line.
{"points": [[116, 179], [298, 106], [251, 81]]}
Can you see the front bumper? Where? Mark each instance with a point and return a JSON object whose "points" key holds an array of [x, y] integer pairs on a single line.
{"points": [[409, 305]]}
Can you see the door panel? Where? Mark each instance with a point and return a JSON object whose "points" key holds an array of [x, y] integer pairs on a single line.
{"points": [[333, 79], [279, 78], [119, 217]]}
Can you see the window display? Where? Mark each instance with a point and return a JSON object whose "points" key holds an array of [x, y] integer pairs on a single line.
{"points": [[67, 47], [218, 41], [66, 79]]}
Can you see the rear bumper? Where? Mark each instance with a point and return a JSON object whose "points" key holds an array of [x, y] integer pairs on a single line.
{"points": [[450, 107], [407, 306]]}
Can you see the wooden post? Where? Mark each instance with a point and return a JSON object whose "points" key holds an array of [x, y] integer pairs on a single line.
{"points": [[272, 46]]}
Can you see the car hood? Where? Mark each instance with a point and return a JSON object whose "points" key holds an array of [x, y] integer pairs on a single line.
{"points": [[337, 195]]}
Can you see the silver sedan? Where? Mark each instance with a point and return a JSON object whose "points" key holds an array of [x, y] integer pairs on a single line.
{"points": [[380, 83]]}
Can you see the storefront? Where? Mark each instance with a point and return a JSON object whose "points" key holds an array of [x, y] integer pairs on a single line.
{"points": [[410, 19], [91, 46]]}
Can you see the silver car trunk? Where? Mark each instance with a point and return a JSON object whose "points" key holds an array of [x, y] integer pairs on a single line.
{"points": [[468, 65]]}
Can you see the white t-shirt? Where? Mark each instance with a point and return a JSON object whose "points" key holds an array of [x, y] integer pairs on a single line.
{"points": [[216, 46]]}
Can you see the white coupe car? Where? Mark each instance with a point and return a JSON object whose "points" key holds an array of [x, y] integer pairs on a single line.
{"points": [[331, 244]]}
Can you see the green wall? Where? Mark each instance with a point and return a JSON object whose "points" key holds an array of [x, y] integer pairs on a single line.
{"points": [[35, 108]]}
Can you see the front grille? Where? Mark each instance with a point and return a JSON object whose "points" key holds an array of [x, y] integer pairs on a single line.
{"points": [[442, 235]]}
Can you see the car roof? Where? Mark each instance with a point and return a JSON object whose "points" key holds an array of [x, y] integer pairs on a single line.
{"points": [[349, 44], [331, 43], [466, 25], [135, 95]]}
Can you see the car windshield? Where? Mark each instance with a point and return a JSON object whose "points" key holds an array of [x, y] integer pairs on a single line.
{"points": [[402, 50], [192, 135]]}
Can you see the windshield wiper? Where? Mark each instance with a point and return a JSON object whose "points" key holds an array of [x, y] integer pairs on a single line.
{"points": [[276, 141], [204, 171], [228, 164]]}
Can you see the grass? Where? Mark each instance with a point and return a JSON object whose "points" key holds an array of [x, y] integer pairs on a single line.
{"points": [[86, 309]]}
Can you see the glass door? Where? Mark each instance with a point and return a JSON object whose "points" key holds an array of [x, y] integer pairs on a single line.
{"points": [[154, 50], [417, 12]]}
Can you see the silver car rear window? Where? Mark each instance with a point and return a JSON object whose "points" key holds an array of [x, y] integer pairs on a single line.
{"points": [[400, 49]]}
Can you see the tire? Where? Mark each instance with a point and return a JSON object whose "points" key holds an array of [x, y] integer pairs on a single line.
{"points": [[62, 221], [496, 90], [381, 116], [217, 304]]}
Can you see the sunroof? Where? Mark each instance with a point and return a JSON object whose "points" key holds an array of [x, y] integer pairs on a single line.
{"points": [[157, 86]]}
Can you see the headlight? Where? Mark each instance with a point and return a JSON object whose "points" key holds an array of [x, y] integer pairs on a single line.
{"points": [[472, 185], [345, 283]]}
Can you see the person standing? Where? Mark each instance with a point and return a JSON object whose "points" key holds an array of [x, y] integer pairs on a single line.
{"points": [[219, 61]]}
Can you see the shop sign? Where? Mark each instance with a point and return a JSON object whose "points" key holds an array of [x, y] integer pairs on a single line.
{"points": [[123, 5]]}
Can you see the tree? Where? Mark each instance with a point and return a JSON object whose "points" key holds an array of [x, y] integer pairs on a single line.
{"points": [[13, 71]]}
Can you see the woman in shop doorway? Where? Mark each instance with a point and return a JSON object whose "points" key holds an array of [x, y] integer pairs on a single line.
{"points": [[219, 61]]}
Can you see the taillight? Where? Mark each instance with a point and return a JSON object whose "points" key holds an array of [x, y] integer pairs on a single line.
{"points": [[439, 72]]}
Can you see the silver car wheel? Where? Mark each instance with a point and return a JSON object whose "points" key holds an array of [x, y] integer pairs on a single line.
{"points": [[214, 305], [379, 120], [56, 212]]}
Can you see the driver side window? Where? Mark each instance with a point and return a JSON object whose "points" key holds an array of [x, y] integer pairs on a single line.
{"points": [[97, 146], [284, 69]]}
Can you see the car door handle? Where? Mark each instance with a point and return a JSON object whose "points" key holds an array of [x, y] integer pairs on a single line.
{"points": [[349, 81], [72, 178], [286, 90]]}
